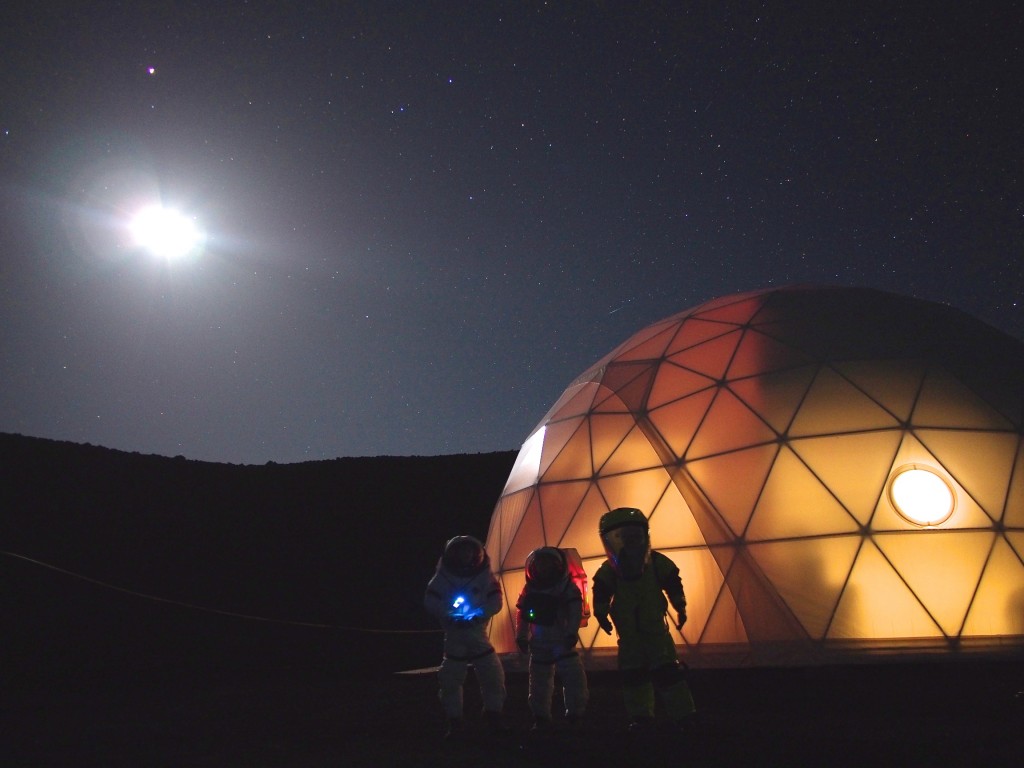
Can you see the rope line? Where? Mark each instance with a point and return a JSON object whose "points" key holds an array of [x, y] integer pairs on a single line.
{"points": [[218, 611]]}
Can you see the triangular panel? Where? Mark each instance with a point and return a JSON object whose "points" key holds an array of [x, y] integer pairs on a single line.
{"points": [[729, 425], [525, 537], [642, 490], [732, 482], [633, 453], [979, 461], [673, 383], [560, 504], [946, 402], [893, 383], [853, 467], [629, 381], [702, 582], [573, 459], [695, 331], [505, 521], [556, 435], [677, 422], [942, 568], [607, 433], [998, 607], [649, 349], [582, 529], [579, 403], [740, 312], [834, 405], [877, 604], [724, 625], [710, 358], [759, 354], [809, 575], [672, 522], [1016, 542], [794, 503], [640, 338], [776, 396]]}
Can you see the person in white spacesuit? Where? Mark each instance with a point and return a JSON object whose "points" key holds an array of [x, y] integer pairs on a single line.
{"points": [[548, 615], [463, 595]]}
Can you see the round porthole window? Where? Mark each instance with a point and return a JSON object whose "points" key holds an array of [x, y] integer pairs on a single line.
{"points": [[921, 496]]}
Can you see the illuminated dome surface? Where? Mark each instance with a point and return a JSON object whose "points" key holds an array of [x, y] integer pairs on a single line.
{"points": [[830, 468]]}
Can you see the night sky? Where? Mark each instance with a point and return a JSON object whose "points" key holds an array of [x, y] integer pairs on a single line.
{"points": [[424, 219]]}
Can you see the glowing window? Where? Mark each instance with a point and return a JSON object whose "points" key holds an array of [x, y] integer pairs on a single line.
{"points": [[921, 496]]}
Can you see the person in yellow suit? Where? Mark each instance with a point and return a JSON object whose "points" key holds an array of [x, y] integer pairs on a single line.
{"points": [[633, 589]]}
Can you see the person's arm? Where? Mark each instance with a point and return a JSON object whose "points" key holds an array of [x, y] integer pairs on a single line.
{"points": [[604, 592], [670, 581]]}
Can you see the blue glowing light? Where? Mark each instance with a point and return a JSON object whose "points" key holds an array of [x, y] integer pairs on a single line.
{"points": [[463, 610]]}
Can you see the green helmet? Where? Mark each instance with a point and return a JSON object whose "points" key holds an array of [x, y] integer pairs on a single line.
{"points": [[627, 541], [620, 517]]}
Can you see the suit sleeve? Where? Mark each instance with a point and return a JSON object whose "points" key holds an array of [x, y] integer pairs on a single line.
{"points": [[670, 582], [435, 600], [604, 589], [492, 597]]}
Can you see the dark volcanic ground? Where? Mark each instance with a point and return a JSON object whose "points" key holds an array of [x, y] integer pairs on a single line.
{"points": [[348, 708], [328, 562]]}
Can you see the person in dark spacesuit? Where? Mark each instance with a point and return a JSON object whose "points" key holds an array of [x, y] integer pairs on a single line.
{"points": [[548, 615]]}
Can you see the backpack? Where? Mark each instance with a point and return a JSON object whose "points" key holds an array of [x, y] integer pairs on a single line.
{"points": [[579, 578]]}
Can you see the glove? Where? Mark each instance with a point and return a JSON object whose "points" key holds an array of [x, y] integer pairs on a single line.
{"points": [[523, 644], [681, 619], [602, 621]]}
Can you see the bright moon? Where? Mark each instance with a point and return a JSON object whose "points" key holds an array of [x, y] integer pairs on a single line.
{"points": [[165, 232]]}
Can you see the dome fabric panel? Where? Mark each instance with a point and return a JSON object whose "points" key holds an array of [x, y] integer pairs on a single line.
{"points": [[732, 483], [795, 504], [761, 434], [853, 467], [810, 574], [648, 487], [993, 611], [728, 425]]}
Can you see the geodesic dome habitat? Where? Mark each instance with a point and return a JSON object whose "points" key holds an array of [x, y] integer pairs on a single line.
{"points": [[832, 469]]}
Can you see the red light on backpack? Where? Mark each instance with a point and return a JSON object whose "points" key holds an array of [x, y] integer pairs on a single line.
{"points": [[579, 578]]}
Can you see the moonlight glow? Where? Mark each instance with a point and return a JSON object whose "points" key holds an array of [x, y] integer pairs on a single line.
{"points": [[165, 232]]}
